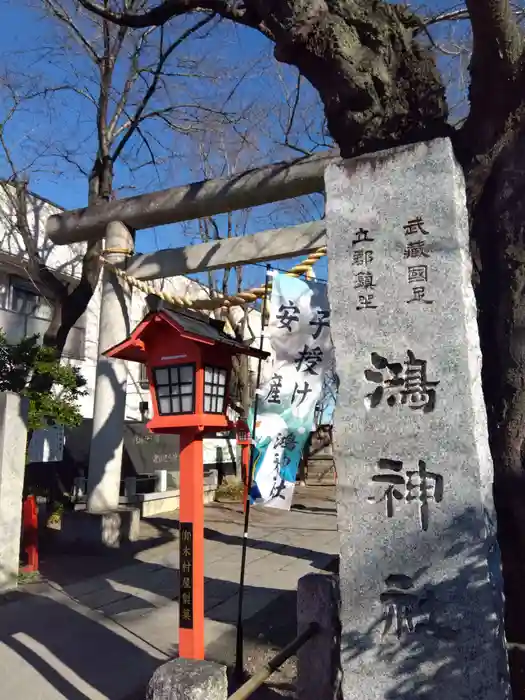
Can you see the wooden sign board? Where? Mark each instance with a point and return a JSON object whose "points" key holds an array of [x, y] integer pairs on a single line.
{"points": [[186, 576]]}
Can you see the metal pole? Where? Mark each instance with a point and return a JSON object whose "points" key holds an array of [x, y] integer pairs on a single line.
{"points": [[239, 648], [276, 662]]}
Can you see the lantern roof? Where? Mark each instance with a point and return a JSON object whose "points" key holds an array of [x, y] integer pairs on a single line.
{"points": [[188, 324]]}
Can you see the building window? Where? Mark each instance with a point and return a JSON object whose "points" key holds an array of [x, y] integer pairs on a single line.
{"points": [[34, 311], [26, 299], [175, 388], [214, 389]]}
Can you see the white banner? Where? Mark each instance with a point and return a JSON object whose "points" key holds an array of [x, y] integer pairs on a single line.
{"points": [[299, 332]]}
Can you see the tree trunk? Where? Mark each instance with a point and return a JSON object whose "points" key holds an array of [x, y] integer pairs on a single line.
{"points": [[498, 236], [379, 86], [74, 302]]}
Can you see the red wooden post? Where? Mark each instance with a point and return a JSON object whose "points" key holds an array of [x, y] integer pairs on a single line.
{"points": [[191, 566], [30, 533], [244, 439], [245, 460]]}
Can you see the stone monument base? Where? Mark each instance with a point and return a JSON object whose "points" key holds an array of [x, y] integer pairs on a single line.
{"points": [[108, 529], [188, 679]]}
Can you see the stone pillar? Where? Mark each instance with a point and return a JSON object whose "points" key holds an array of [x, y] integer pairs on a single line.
{"points": [[185, 679], [130, 487], [105, 459], [318, 661], [161, 480], [421, 589], [13, 438]]}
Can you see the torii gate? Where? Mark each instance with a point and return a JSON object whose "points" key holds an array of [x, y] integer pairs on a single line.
{"points": [[115, 220]]}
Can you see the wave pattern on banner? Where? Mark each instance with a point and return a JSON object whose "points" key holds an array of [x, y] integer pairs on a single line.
{"points": [[299, 332]]}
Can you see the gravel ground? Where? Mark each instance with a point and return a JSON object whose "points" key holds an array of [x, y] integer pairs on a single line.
{"points": [[265, 634]]}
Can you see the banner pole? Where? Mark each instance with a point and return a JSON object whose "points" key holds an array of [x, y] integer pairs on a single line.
{"points": [[239, 646]]}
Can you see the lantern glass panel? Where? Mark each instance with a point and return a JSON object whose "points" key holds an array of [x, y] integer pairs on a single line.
{"points": [[187, 402], [214, 389], [175, 387], [162, 376], [186, 374]]}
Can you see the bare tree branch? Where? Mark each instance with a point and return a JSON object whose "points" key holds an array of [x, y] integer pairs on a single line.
{"points": [[131, 77], [168, 9], [58, 11], [163, 57], [461, 13], [448, 16]]}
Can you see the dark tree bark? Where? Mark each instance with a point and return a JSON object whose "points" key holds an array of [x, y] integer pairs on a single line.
{"points": [[498, 237], [381, 88], [72, 302]]}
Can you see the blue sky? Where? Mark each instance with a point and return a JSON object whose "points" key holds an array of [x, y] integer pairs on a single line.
{"points": [[241, 76]]}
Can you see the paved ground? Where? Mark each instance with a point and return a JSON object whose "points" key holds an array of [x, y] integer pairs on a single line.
{"points": [[99, 625]]}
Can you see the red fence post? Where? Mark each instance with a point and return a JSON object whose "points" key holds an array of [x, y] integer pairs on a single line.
{"points": [[30, 533]]}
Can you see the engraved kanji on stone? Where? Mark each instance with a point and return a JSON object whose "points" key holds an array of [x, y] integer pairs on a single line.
{"points": [[418, 392], [361, 236], [417, 273], [365, 301], [418, 485], [405, 383], [364, 280], [394, 481], [415, 249], [407, 610], [415, 226], [424, 486], [418, 295], [399, 601], [362, 257]]}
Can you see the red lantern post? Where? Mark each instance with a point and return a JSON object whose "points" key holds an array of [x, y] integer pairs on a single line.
{"points": [[244, 440], [191, 543], [189, 359]]}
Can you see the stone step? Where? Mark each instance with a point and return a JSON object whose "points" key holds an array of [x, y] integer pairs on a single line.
{"points": [[321, 470]]}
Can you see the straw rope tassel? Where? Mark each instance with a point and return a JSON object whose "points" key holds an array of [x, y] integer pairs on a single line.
{"points": [[239, 299]]}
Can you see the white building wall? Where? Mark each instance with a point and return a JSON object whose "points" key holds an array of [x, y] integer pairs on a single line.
{"points": [[66, 260]]}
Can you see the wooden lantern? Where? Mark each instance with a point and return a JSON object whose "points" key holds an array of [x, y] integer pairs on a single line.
{"points": [[189, 361]]}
